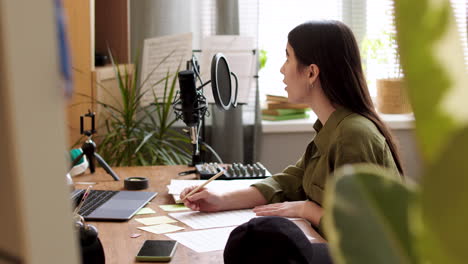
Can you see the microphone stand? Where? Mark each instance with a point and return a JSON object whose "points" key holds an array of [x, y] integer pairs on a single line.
{"points": [[203, 136], [194, 115], [196, 158]]}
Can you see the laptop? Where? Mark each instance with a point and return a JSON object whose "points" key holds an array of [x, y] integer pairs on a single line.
{"points": [[111, 205]]}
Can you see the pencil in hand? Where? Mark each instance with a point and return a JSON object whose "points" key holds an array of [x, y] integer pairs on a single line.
{"points": [[201, 186]]}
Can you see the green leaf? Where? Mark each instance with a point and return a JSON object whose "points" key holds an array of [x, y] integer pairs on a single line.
{"points": [[445, 198], [262, 59], [366, 216], [134, 132], [432, 61], [143, 142]]}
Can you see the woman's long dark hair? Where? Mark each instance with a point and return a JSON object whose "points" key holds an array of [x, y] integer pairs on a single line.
{"points": [[332, 47]]}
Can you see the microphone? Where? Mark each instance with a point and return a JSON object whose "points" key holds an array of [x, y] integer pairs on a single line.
{"points": [[189, 98], [190, 104]]}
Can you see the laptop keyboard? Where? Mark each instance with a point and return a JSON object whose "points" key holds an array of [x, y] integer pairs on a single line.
{"points": [[95, 199]]}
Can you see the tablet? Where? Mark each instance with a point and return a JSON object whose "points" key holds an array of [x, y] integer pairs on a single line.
{"points": [[157, 250]]}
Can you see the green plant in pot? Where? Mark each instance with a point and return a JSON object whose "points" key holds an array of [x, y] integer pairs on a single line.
{"points": [[391, 88], [136, 134], [165, 144], [371, 218]]}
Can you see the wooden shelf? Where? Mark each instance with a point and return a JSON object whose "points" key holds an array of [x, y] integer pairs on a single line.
{"points": [[92, 27], [112, 28]]}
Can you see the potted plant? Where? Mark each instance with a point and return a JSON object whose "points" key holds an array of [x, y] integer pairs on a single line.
{"points": [[391, 88], [370, 218], [136, 134]]}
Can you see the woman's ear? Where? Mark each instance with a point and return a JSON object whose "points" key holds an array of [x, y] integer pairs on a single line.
{"points": [[314, 71]]}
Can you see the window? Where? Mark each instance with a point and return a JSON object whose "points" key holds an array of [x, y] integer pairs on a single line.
{"points": [[379, 48], [273, 31], [371, 22], [460, 8]]}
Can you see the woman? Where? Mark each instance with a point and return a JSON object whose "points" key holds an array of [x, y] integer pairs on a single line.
{"points": [[322, 69]]}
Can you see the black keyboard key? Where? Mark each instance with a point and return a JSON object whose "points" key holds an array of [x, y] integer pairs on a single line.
{"points": [[234, 171], [95, 199]]}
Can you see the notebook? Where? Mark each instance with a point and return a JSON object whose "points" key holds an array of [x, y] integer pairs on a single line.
{"points": [[111, 205]]}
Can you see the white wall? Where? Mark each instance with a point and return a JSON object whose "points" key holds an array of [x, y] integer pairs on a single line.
{"points": [[278, 150]]}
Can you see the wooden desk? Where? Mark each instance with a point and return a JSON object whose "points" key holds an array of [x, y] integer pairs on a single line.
{"points": [[119, 247]]}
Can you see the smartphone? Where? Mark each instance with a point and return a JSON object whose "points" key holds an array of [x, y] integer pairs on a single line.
{"points": [[157, 250]]}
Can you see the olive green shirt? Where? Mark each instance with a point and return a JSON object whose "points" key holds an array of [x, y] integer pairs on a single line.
{"points": [[345, 138]]}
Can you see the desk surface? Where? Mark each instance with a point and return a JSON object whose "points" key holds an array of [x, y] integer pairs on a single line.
{"points": [[119, 247]]}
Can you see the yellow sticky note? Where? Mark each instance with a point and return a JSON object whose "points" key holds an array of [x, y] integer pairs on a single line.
{"points": [[161, 229], [145, 210], [156, 220], [174, 207]]}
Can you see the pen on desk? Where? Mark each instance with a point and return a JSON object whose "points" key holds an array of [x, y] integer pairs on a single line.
{"points": [[203, 185], [85, 195]]}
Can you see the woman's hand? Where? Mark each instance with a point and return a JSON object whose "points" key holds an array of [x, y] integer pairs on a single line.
{"points": [[303, 209], [286, 209], [203, 200]]}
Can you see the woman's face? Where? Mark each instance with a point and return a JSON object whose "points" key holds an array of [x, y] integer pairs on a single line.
{"points": [[297, 81]]}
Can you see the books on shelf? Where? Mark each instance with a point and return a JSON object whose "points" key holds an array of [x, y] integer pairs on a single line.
{"points": [[277, 112], [285, 117], [278, 108], [281, 102], [279, 105], [276, 98]]}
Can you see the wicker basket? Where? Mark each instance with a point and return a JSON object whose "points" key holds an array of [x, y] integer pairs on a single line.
{"points": [[392, 97]]}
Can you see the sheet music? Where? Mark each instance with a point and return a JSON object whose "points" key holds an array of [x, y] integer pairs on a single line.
{"points": [[160, 55], [207, 240], [204, 240], [201, 220], [238, 51], [177, 186]]}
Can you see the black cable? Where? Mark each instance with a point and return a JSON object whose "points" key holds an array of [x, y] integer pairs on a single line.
{"points": [[203, 85], [196, 67]]}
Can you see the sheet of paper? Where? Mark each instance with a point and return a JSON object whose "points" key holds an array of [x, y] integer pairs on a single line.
{"points": [[202, 220], [156, 220], [161, 229], [176, 198], [160, 56], [204, 240], [145, 210], [174, 207], [239, 53], [177, 186]]}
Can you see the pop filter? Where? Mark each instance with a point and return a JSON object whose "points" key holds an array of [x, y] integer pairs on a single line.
{"points": [[221, 84]]}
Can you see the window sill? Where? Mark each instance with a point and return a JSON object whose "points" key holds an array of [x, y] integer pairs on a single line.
{"points": [[394, 122], [290, 126]]}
